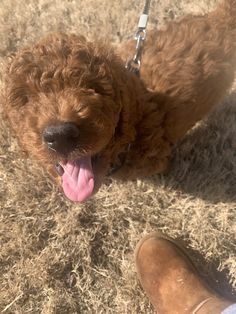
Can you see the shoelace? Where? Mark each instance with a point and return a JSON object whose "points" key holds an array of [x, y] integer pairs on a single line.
{"points": [[200, 305]]}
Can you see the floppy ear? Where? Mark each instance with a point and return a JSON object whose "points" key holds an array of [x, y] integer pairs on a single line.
{"points": [[151, 127], [14, 88], [13, 96]]}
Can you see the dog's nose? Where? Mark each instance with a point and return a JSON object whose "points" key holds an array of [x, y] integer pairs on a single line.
{"points": [[61, 138]]}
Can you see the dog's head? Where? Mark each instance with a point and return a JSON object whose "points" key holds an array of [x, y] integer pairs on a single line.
{"points": [[63, 100]]}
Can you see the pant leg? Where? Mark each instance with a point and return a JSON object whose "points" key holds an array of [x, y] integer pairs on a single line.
{"points": [[230, 310]]}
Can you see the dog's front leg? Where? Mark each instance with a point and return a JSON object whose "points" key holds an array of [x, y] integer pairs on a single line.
{"points": [[135, 169], [145, 157]]}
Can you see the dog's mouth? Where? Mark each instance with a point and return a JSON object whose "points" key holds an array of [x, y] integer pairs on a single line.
{"points": [[80, 179], [77, 178]]}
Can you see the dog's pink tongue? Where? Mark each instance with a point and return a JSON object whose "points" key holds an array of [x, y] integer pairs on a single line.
{"points": [[78, 179]]}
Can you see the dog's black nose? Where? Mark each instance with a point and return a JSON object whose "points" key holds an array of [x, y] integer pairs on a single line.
{"points": [[62, 138]]}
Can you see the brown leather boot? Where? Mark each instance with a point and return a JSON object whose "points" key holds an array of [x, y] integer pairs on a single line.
{"points": [[170, 280]]}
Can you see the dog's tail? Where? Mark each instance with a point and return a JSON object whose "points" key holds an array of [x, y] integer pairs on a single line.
{"points": [[225, 13]]}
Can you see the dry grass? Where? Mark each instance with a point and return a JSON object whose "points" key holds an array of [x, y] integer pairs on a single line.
{"points": [[58, 257]]}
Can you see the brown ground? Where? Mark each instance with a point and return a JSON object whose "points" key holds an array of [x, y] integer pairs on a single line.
{"points": [[57, 257]]}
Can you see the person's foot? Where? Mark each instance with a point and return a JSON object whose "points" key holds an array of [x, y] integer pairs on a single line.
{"points": [[170, 280]]}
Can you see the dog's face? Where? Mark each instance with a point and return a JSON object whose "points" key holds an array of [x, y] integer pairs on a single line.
{"points": [[64, 105]]}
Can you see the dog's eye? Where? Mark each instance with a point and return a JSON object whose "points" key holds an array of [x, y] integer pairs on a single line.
{"points": [[18, 97], [79, 110], [104, 90]]}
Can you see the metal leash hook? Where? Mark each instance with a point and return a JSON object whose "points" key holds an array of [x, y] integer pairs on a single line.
{"points": [[134, 64]]}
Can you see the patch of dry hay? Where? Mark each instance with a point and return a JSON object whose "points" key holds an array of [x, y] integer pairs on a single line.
{"points": [[57, 257]]}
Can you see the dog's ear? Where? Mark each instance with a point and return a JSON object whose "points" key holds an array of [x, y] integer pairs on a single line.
{"points": [[14, 92], [151, 128]]}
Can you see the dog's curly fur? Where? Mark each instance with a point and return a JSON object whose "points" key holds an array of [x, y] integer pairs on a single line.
{"points": [[186, 69]]}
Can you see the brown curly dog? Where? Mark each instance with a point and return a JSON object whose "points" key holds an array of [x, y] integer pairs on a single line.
{"points": [[72, 103]]}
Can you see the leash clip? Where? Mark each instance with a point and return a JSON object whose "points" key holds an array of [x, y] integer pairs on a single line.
{"points": [[133, 65]]}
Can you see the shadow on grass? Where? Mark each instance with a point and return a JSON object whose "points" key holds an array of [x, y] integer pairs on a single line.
{"points": [[208, 270]]}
